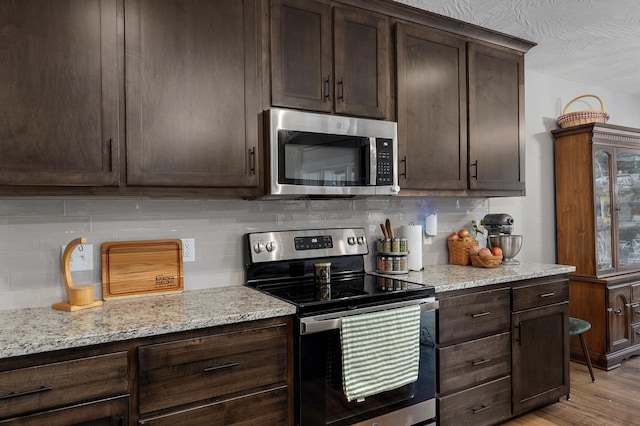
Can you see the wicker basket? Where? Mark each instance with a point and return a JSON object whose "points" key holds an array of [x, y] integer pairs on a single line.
{"points": [[485, 262], [459, 252], [570, 119]]}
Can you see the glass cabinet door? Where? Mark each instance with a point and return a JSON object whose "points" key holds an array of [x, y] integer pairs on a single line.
{"points": [[627, 191], [602, 173]]}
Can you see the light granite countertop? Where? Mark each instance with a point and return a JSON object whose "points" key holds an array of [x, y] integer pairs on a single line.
{"points": [[455, 277], [35, 330]]}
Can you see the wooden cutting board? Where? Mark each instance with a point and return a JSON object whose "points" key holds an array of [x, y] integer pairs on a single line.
{"points": [[131, 268]]}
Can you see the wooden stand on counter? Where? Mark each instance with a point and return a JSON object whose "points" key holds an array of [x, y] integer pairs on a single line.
{"points": [[77, 297]]}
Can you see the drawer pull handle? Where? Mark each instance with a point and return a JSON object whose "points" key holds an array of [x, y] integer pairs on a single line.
{"points": [[481, 314], [29, 392], [220, 367], [543, 295], [482, 361], [481, 409]]}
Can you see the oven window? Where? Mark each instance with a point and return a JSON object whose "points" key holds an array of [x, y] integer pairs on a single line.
{"points": [[322, 400], [315, 159]]}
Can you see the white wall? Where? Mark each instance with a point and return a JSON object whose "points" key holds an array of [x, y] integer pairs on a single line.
{"points": [[32, 229], [545, 98]]}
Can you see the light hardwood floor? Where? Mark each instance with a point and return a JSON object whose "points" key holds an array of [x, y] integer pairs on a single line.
{"points": [[614, 399]]}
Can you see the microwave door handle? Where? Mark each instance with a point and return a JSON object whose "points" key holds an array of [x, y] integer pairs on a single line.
{"points": [[373, 161]]}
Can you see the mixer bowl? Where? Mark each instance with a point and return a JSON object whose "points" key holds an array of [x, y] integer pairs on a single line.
{"points": [[510, 245]]}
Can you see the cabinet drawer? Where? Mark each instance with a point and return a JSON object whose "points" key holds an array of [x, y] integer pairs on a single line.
{"points": [[175, 373], [264, 408], [482, 405], [474, 315], [111, 411], [62, 383], [535, 295], [467, 364]]}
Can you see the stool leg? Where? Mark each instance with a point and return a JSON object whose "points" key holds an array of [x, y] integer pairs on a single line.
{"points": [[587, 357]]}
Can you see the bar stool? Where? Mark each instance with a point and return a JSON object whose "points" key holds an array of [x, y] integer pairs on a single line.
{"points": [[577, 327]]}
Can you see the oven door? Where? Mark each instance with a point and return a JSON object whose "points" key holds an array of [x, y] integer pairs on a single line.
{"points": [[320, 397]]}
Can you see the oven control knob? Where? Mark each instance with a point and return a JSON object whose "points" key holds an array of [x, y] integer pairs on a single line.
{"points": [[351, 241], [258, 247], [271, 246], [360, 241]]}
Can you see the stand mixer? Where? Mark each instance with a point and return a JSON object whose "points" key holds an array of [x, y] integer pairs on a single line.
{"points": [[499, 227]]}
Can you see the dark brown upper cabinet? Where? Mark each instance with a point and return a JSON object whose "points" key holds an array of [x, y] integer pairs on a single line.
{"points": [[432, 109], [496, 118], [329, 59], [58, 93], [192, 94], [460, 114]]}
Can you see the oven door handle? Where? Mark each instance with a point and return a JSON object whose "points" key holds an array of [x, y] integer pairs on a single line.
{"points": [[333, 321]]}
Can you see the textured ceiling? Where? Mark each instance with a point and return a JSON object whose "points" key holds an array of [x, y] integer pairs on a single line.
{"points": [[596, 42]]}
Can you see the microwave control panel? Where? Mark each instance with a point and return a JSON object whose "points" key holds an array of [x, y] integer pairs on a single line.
{"points": [[384, 149]]}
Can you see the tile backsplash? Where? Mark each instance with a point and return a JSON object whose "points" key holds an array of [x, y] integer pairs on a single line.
{"points": [[32, 230]]}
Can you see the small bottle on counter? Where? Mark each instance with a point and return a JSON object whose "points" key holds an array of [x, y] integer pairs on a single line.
{"points": [[404, 263], [388, 265], [395, 245], [403, 245], [396, 264]]}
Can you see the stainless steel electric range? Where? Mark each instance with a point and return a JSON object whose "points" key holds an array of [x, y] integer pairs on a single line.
{"points": [[281, 263]]}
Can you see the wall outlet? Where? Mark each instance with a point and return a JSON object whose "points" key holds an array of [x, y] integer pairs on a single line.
{"points": [[188, 249], [81, 258]]}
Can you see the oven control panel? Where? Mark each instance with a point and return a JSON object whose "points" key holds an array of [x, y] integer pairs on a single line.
{"points": [[306, 244]]}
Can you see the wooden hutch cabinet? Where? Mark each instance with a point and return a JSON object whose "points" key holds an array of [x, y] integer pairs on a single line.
{"points": [[597, 169]]}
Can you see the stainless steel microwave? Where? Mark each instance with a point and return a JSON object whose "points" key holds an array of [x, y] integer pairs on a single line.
{"points": [[312, 154]]}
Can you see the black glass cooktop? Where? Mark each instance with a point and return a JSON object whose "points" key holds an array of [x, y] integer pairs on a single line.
{"points": [[345, 292]]}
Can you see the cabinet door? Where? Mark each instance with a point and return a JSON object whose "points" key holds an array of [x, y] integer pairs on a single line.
{"points": [[361, 41], [540, 356], [301, 57], [618, 321], [602, 169], [432, 120], [635, 305], [58, 93], [496, 118], [627, 208], [192, 119]]}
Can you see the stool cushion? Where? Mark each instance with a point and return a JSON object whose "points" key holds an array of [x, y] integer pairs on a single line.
{"points": [[577, 326]]}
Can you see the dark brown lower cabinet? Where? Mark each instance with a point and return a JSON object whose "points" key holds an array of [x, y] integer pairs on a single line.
{"points": [[540, 373], [235, 374], [502, 350]]}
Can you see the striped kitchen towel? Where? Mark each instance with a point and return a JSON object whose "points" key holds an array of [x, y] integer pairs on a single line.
{"points": [[380, 351]]}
